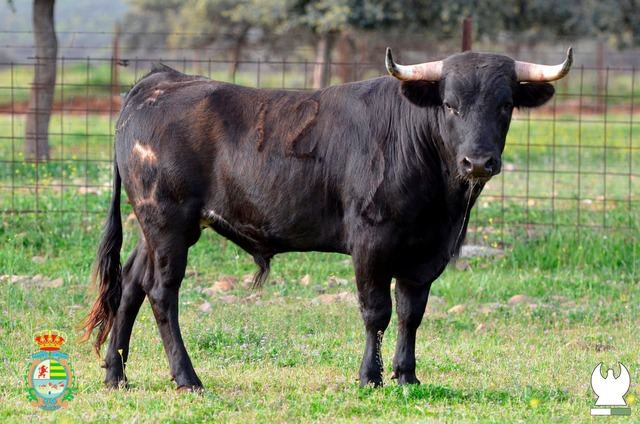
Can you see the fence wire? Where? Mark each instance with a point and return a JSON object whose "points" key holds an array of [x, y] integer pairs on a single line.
{"points": [[567, 164]]}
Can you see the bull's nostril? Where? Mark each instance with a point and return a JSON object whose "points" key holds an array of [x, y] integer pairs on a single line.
{"points": [[467, 165], [489, 165]]}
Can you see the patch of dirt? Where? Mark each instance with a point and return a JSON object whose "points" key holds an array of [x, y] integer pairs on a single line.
{"points": [[224, 284], [334, 281], [326, 299], [457, 309], [72, 105], [205, 307], [521, 298], [254, 298], [488, 308], [32, 280], [247, 281], [228, 299], [306, 280]]}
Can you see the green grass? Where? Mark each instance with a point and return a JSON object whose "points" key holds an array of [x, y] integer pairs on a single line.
{"points": [[75, 78], [288, 359]]}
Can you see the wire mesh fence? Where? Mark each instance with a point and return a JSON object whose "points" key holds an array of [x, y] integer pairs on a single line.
{"points": [[568, 164]]}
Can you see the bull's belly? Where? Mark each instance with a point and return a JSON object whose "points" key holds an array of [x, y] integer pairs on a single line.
{"points": [[299, 234]]}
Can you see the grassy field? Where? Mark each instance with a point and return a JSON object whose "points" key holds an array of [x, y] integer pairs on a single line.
{"points": [[291, 351]]}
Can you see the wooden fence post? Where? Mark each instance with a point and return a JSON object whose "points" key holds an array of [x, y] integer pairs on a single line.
{"points": [[466, 34]]}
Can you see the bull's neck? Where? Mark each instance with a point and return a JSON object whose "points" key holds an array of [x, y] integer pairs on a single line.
{"points": [[425, 162], [421, 147]]}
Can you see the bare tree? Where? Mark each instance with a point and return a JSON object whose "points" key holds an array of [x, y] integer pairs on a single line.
{"points": [[36, 140]]}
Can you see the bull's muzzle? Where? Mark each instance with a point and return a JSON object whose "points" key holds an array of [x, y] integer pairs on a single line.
{"points": [[479, 168]]}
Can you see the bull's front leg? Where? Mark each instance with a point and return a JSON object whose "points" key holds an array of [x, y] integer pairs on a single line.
{"points": [[411, 300], [375, 306]]}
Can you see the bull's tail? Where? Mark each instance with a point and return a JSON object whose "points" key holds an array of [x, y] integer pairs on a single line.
{"points": [[262, 273], [107, 273]]}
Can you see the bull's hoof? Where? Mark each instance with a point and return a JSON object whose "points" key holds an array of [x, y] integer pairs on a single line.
{"points": [[115, 379], [371, 381], [190, 388], [405, 378], [116, 384]]}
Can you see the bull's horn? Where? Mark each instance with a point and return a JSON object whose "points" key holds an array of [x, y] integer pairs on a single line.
{"points": [[428, 71], [531, 72]]}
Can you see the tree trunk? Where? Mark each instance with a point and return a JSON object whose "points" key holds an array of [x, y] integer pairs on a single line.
{"points": [[346, 49], [237, 50], [36, 142], [322, 67]]}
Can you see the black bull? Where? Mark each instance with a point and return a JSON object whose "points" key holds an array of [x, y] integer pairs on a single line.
{"points": [[382, 170]]}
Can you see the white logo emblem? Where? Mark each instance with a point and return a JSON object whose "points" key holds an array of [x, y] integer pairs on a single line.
{"points": [[610, 391]]}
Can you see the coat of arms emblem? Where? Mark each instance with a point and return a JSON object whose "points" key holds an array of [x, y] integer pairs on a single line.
{"points": [[49, 375]]}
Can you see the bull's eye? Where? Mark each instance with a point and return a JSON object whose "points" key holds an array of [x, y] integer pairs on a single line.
{"points": [[451, 109]]}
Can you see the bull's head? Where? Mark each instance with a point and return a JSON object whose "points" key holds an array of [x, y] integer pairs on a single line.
{"points": [[477, 94]]}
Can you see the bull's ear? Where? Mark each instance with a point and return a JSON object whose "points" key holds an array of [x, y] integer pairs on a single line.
{"points": [[532, 94], [422, 93]]}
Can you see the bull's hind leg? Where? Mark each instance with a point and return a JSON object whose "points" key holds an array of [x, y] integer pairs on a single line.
{"points": [[411, 300], [175, 228], [130, 301]]}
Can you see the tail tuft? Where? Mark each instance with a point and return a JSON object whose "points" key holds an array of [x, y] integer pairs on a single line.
{"points": [[107, 273], [260, 277]]}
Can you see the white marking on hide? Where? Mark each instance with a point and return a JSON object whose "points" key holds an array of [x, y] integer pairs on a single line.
{"points": [[151, 99], [154, 96], [144, 152]]}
